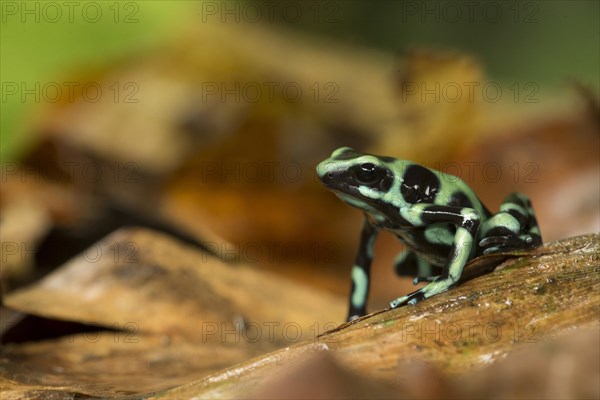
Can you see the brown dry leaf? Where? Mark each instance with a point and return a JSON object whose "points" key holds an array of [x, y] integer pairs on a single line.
{"points": [[135, 275], [23, 223], [566, 368], [174, 111], [320, 376], [29, 208], [179, 314], [435, 116], [529, 300], [112, 364]]}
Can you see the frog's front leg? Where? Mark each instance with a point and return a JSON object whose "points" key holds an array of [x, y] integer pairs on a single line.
{"points": [[466, 221], [361, 271], [513, 227]]}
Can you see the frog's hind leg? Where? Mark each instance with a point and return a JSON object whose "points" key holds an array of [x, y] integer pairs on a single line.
{"points": [[513, 227], [409, 263], [531, 226]]}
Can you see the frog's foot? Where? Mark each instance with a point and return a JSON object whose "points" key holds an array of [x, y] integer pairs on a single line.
{"points": [[496, 244], [420, 279], [355, 313], [436, 287]]}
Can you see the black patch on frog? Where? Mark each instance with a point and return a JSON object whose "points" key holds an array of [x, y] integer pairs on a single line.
{"points": [[419, 185], [460, 199], [452, 229], [409, 266], [387, 159]]}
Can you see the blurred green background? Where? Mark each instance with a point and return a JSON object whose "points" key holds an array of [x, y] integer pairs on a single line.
{"points": [[547, 42]]}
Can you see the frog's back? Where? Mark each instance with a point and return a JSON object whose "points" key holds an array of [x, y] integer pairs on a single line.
{"points": [[423, 185]]}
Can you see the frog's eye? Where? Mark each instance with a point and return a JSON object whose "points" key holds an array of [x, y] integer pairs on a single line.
{"points": [[368, 173]]}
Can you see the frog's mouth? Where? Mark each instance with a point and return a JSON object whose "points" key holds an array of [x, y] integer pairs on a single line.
{"points": [[348, 193], [353, 201], [336, 183]]}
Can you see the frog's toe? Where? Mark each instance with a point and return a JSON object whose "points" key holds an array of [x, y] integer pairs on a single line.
{"points": [[398, 302], [492, 249], [497, 244], [412, 302], [412, 299], [493, 244], [494, 240], [487, 241], [529, 241]]}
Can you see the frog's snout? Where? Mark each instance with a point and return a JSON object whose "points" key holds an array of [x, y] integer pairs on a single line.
{"points": [[326, 171], [332, 170]]}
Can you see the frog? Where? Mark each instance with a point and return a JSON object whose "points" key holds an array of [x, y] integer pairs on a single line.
{"points": [[439, 219]]}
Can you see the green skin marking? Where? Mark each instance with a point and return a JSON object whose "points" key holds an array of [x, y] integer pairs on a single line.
{"points": [[441, 221], [361, 282]]}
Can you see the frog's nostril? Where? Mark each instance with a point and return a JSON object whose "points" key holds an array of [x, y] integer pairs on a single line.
{"points": [[330, 175]]}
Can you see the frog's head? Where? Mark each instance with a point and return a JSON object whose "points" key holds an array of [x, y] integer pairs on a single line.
{"points": [[356, 178]]}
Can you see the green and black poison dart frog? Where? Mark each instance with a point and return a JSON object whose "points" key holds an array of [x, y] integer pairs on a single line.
{"points": [[441, 222]]}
